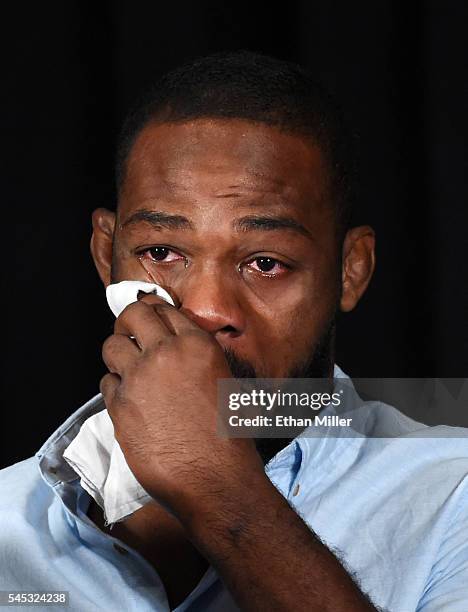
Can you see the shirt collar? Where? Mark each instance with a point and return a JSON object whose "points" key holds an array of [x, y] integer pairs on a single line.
{"points": [[319, 444], [52, 465], [55, 469]]}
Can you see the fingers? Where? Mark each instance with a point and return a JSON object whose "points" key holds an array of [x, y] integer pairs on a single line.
{"points": [[151, 319], [176, 321], [118, 353], [141, 321], [161, 307]]}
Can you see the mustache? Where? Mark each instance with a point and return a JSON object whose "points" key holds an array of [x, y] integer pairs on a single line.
{"points": [[318, 363], [240, 368]]}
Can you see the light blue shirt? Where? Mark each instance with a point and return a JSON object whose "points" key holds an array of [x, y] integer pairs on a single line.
{"points": [[394, 510]]}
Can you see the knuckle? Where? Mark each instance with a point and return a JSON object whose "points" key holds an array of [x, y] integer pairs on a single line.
{"points": [[107, 343], [108, 347], [105, 383], [105, 348]]}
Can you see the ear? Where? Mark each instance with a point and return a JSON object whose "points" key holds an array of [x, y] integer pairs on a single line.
{"points": [[101, 242], [358, 265]]}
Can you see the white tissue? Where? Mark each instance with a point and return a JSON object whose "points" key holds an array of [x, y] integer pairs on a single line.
{"points": [[95, 454], [120, 295]]}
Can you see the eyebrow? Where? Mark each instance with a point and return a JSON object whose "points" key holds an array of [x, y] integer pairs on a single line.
{"points": [[271, 223], [162, 220], [158, 220]]}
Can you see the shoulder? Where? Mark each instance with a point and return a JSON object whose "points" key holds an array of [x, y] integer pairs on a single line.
{"points": [[421, 464], [26, 527], [387, 430], [435, 442], [20, 485]]}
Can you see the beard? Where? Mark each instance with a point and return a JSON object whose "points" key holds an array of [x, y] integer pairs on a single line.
{"points": [[318, 364]]}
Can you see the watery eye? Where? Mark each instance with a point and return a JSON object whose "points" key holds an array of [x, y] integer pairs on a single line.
{"points": [[158, 253], [161, 254], [267, 265]]}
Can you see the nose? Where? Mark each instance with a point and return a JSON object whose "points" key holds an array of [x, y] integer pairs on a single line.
{"points": [[209, 299]]}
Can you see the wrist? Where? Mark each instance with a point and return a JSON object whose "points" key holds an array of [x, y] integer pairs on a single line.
{"points": [[225, 514], [211, 479]]}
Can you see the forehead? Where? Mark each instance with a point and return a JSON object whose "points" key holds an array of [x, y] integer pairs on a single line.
{"points": [[216, 158]]}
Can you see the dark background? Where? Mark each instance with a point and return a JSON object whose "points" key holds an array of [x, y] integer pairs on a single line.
{"points": [[70, 72]]}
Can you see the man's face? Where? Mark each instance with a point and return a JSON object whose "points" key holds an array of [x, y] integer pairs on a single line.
{"points": [[234, 218]]}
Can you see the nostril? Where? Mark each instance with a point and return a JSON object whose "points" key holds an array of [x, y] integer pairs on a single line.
{"points": [[228, 328]]}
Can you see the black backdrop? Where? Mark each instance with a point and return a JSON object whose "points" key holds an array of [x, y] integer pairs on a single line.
{"points": [[70, 72]]}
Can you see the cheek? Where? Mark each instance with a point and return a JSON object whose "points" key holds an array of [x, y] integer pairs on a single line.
{"points": [[276, 344], [286, 329], [300, 303]]}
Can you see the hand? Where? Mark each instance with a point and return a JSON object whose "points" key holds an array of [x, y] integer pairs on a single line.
{"points": [[161, 394]]}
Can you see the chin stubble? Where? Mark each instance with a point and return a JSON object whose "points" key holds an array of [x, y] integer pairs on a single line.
{"points": [[318, 364]]}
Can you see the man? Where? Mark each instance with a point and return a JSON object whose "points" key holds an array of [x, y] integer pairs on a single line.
{"points": [[234, 189]]}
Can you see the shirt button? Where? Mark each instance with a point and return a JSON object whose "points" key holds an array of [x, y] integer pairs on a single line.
{"points": [[121, 549], [296, 489]]}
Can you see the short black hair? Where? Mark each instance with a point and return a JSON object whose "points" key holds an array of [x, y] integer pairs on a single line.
{"points": [[251, 86]]}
